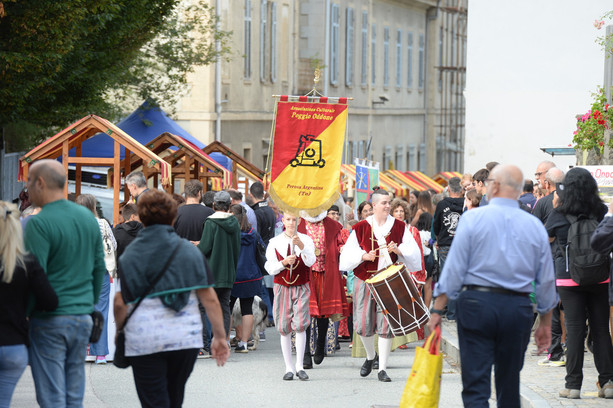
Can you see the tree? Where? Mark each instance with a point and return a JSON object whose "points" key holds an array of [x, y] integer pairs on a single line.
{"points": [[60, 60]]}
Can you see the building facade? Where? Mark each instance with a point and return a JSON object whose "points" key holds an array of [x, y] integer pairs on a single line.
{"points": [[402, 62]]}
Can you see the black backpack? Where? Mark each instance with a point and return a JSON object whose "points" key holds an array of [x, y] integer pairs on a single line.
{"points": [[586, 266]]}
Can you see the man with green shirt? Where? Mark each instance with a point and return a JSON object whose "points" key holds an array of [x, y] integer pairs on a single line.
{"points": [[66, 240], [221, 244]]}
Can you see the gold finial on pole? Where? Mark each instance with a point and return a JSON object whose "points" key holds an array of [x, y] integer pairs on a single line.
{"points": [[317, 74]]}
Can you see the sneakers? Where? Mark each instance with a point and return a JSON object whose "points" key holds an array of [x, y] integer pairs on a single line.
{"points": [[570, 394], [203, 354], [606, 391], [552, 363], [100, 360], [263, 336], [234, 341], [241, 349]]}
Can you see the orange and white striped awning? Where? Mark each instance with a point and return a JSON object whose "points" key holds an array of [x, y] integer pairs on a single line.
{"points": [[443, 177], [421, 178]]}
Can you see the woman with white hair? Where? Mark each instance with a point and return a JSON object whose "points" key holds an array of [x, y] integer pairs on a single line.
{"points": [[20, 276]]}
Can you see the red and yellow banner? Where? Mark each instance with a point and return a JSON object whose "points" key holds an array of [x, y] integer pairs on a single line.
{"points": [[306, 155]]}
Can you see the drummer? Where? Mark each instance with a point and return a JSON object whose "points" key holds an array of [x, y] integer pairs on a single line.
{"points": [[376, 243]]}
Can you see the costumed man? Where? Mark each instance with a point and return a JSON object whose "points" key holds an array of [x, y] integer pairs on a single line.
{"points": [[328, 299], [376, 243], [289, 257]]}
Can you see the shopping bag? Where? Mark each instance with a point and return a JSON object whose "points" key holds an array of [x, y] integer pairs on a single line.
{"points": [[423, 386]]}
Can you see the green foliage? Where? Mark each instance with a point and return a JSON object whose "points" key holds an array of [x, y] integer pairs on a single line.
{"points": [[592, 125], [61, 60]]}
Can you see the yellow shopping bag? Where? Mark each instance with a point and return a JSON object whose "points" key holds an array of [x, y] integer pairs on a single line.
{"points": [[423, 386]]}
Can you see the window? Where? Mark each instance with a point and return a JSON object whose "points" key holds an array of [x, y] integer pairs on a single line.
{"points": [[399, 58], [421, 62], [373, 57], [386, 57], [398, 162], [422, 157], [411, 158], [349, 48], [334, 38], [263, 26], [361, 149], [364, 48], [273, 42], [247, 34], [410, 61]]}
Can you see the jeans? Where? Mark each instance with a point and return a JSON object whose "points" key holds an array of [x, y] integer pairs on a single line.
{"points": [[223, 294], [443, 251], [58, 345], [13, 360], [578, 300], [493, 329], [555, 351], [160, 378], [101, 348]]}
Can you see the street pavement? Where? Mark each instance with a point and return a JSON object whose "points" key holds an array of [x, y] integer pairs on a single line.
{"points": [[254, 380], [539, 384]]}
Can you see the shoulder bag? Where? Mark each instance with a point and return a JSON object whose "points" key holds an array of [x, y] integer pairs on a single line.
{"points": [[120, 360]]}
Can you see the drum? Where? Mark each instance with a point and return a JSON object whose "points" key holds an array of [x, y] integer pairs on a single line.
{"points": [[396, 294]]}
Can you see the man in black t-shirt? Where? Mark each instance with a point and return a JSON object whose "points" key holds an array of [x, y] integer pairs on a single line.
{"points": [[191, 215], [264, 214]]}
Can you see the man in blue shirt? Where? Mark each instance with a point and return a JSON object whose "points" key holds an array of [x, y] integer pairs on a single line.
{"points": [[497, 252]]}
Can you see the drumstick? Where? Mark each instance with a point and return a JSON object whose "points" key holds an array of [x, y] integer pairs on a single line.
{"points": [[291, 267]]}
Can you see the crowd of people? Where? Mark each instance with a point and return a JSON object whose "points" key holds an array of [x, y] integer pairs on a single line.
{"points": [[493, 271]]}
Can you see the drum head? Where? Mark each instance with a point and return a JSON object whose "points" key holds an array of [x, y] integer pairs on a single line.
{"points": [[385, 273]]}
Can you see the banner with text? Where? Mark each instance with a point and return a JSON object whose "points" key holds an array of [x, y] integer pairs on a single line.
{"points": [[306, 155], [604, 179]]}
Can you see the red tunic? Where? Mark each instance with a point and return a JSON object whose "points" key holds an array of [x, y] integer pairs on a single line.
{"points": [[300, 272], [328, 296], [365, 237], [420, 276]]}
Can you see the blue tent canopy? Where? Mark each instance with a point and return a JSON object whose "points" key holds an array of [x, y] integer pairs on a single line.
{"points": [[144, 124]]}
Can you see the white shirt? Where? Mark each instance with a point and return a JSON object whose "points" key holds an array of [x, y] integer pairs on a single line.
{"points": [[280, 243], [351, 255]]}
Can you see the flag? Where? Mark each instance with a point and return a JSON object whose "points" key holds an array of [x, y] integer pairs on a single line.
{"points": [[366, 177], [306, 154]]}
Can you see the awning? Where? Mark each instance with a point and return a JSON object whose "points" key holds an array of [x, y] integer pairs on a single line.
{"points": [[420, 177], [389, 184], [240, 165], [73, 136], [443, 177], [402, 178]]}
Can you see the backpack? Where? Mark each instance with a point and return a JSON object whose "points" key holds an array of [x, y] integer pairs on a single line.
{"points": [[585, 266]]}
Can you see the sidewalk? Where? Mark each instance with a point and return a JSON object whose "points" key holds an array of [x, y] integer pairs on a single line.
{"points": [[539, 384]]}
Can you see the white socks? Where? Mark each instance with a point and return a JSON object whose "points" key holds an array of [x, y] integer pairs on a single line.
{"points": [[369, 346], [286, 348], [385, 347], [300, 347]]}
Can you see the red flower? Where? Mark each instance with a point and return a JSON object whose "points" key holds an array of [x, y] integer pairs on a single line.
{"points": [[606, 107], [601, 143]]}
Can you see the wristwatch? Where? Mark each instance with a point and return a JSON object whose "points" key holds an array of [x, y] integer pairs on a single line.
{"points": [[437, 311]]}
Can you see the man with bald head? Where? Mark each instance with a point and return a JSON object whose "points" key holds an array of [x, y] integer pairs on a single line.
{"points": [[497, 252], [548, 181], [66, 240]]}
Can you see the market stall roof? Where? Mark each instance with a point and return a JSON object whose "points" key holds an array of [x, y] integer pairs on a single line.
{"points": [[187, 160], [425, 180], [443, 177], [238, 163], [400, 177], [385, 182], [73, 137]]}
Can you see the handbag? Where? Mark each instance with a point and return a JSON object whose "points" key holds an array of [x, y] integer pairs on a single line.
{"points": [[98, 325], [110, 260], [260, 255], [423, 387], [120, 360]]}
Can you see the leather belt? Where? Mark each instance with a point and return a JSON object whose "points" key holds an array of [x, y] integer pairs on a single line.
{"points": [[493, 290]]}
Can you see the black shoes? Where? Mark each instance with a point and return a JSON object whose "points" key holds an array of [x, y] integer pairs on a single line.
{"points": [[366, 367], [289, 376], [307, 362], [375, 363], [319, 355], [302, 375], [383, 377]]}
